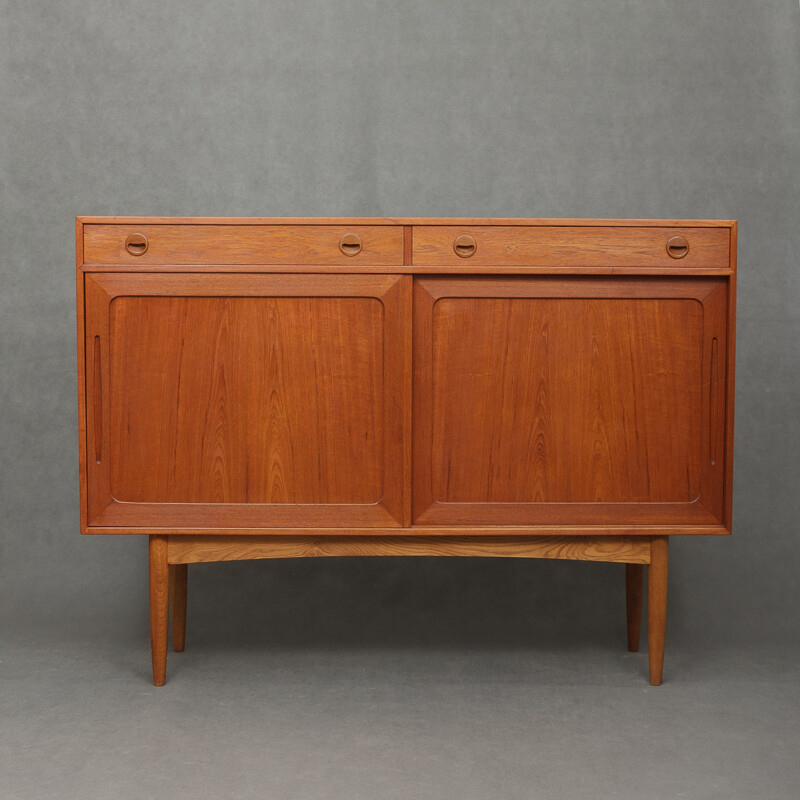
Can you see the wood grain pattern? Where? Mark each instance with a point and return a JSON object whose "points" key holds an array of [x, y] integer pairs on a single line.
{"points": [[242, 244], [634, 583], [197, 549], [246, 400], [657, 605], [554, 247], [159, 607], [579, 409], [573, 401], [178, 586], [252, 400]]}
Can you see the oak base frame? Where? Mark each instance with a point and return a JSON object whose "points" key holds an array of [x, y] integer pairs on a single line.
{"points": [[170, 555]]}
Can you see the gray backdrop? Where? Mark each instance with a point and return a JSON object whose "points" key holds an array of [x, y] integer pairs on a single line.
{"points": [[546, 108]]}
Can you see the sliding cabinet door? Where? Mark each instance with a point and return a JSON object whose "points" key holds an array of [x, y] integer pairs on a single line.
{"points": [[247, 401], [569, 401]]}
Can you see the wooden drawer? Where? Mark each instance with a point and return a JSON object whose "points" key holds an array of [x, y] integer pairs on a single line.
{"points": [[199, 245], [570, 246]]}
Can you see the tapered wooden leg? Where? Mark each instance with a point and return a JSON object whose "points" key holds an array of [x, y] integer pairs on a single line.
{"points": [[178, 578], [657, 605], [634, 575], [159, 607]]}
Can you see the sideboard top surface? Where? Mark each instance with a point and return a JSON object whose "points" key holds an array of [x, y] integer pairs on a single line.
{"points": [[663, 223]]}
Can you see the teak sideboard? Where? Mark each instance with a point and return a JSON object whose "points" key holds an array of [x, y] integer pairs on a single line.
{"points": [[278, 388]]}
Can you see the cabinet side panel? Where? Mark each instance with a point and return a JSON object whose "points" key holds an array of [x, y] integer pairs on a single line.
{"points": [[81, 352], [730, 383]]}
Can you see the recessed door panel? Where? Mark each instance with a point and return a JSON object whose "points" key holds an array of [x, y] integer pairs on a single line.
{"points": [[246, 399]]}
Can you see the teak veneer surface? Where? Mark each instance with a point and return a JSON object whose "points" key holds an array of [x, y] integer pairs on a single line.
{"points": [[243, 400], [391, 244], [588, 376], [220, 401], [289, 419], [568, 400], [299, 387], [243, 244], [562, 246], [200, 549]]}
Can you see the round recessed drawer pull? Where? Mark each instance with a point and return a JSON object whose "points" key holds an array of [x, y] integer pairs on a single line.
{"points": [[465, 246], [350, 244], [677, 247], [136, 244]]}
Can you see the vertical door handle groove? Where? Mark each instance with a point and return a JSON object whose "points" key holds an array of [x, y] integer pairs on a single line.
{"points": [[97, 402], [714, 399]]}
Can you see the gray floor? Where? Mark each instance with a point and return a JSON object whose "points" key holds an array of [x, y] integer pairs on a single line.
{"points": [[79, 719]]}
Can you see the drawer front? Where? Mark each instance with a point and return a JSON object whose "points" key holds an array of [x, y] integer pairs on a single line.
{"points": [[570, 246], [197, 245]]}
